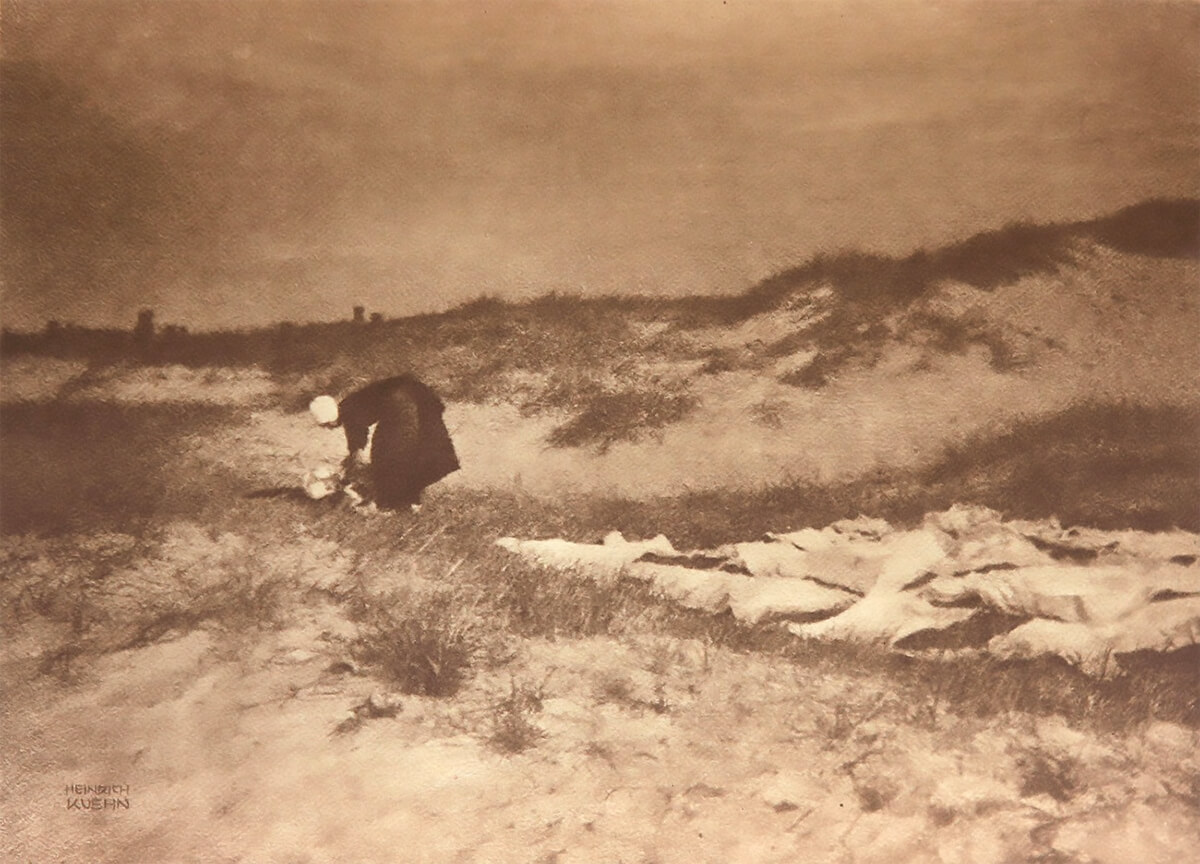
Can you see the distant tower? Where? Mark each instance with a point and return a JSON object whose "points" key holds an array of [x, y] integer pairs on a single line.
{"points": [[143, 331], [360, 313]]}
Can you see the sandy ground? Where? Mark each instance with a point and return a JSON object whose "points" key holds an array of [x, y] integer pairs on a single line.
{"points": [[651, 749]]}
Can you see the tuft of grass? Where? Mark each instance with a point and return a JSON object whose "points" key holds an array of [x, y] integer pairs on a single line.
{"points": [[955, 335], [424, 644], [1044, 773], [720, 360], [819, 371], [542, 601], [615, 690], [625, 415], [847, 719], [569, 389], [769, 413], [512, 730]]}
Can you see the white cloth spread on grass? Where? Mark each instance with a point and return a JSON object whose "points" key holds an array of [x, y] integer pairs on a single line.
{"points": [[1013, 589]]}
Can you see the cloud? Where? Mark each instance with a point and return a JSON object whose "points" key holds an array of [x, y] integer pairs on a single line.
{"points": [[609, 147]]}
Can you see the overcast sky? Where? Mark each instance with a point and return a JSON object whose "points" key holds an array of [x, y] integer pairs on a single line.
{"points": [[236, 163]]}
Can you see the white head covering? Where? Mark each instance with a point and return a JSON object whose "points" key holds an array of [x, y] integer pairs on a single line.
{"points": [[324, 410]]}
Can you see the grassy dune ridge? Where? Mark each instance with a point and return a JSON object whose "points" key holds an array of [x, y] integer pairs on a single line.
{"points": [[468, 350], [613, 371]]}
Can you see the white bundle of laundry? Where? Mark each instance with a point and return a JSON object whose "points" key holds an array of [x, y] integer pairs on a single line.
{"points": [[965, 580]]}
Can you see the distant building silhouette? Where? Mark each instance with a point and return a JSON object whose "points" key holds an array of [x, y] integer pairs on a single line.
{"points": [[376, 317], [359, 314], [143, 330]]}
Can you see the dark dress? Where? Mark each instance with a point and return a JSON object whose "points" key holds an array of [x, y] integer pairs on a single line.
{"points": [[411, 448]]}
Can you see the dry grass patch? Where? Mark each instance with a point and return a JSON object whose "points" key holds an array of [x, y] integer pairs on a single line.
{"points": [[426, 644], [630, 414], [114, 591], [512, 730]]}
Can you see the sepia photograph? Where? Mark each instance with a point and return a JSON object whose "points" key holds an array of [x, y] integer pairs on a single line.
{"points": [[599, 431]]}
